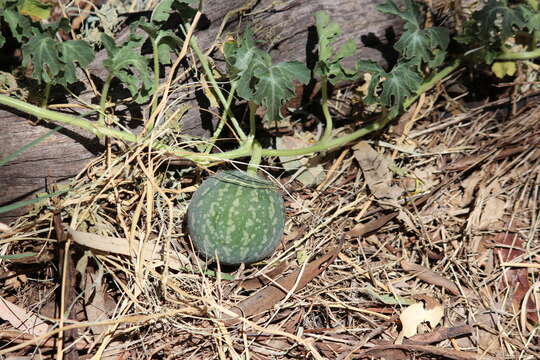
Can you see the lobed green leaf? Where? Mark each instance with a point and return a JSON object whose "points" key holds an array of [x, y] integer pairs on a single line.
{"points": [[496, 17], [276, 85], [266, 84], [329, 64], [129, 66], [395, 86], [71, 52], [411, 15], [42, 51]]}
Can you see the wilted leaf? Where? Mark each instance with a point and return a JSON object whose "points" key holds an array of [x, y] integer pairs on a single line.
{"points": [[497, 17], [503, 68], [396, 85], [312, 173], [21, 319], [376, 172], [42, 51], [36, 9], [415, 314]]}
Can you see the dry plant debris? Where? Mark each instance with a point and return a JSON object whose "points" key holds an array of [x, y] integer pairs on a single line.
{"points": [[440, 215], [462, 238]]}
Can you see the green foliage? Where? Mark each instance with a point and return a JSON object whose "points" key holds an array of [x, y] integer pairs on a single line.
{"points": [[165, 8], [52, 61], [492, 26], [125, 63], [421, 50], [236, 217], [165, 40], [417, 45], [19, 24], [329, 64], [531, 18], [259, 80]]}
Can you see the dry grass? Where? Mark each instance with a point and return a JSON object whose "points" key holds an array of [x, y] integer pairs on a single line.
{"points": [[462, 236], [470, 246]]}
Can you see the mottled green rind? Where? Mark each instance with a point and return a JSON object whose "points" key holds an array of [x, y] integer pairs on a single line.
{"points": [[236, 217]]}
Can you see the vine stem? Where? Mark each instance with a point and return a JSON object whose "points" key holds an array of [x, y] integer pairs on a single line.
{"points": [[222, 120], [255, 161], [98, 129], [524, 55], [150, 125], [246, 147], [46, 95], [326, 112], [252, 124], [431, 82], [208, 72], [103, 99]]}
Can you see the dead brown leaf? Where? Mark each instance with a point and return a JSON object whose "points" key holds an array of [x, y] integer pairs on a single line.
{"points": [[264, 279], [98, 303], [470, 184], [264, 299], [376, 173], [22, 319], [516, 278], [434, 278], [440, 335], [493, 209], [388, 351]]}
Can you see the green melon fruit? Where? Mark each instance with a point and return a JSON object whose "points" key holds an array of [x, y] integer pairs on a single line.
{"points": [[237, 217]]}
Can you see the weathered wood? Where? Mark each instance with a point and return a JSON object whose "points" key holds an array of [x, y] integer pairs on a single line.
{"points": [[285, 26]]}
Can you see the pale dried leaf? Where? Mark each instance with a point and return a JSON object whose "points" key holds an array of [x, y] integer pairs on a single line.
{"points": [[150, 251], [99, 303], [15, 281], [428, 176], [470, 185], [415, 314], [21, 319], [493, 210], [377, 174], [4, 228], [310, 170]]}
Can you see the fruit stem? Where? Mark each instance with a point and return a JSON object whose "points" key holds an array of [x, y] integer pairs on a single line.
{"points": [[252, 126], [255, 161]]}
